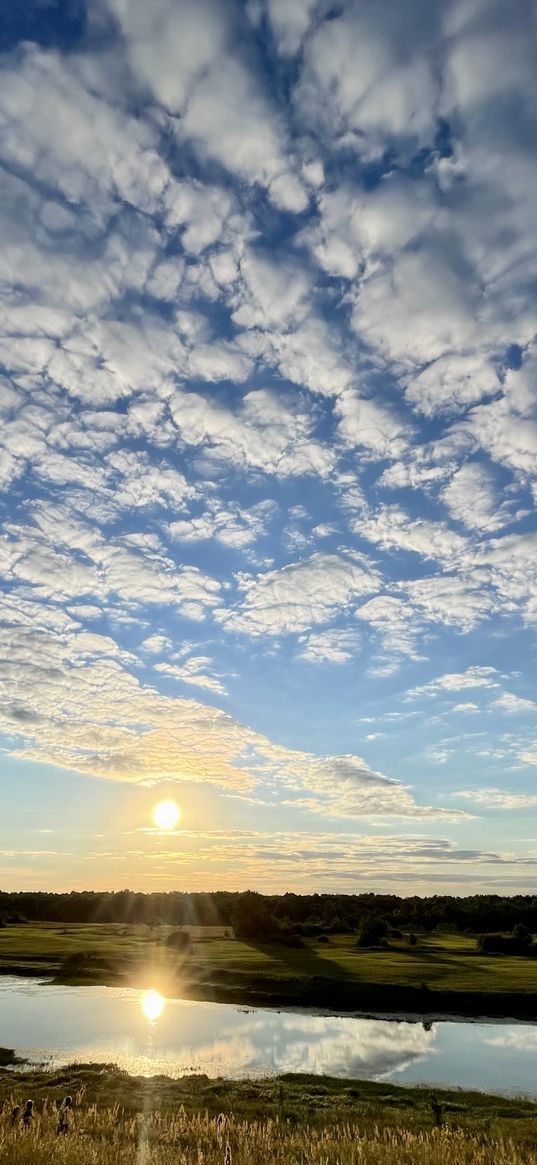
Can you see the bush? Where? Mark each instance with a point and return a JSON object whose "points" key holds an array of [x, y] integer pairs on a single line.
{"points": [[520, 942], [373, 931]]}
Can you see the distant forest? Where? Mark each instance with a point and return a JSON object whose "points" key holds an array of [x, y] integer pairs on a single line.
{"points": [[303, 913]]}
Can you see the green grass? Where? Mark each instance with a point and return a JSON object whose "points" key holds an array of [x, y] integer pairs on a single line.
{"points": [[296, 1120], [447, 966]]}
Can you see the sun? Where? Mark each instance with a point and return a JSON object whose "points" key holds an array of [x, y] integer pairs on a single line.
{"points": [[166, 814], [153, 1005]]}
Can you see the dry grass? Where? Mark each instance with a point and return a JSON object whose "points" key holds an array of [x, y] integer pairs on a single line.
{"points": [[111, 1136]]}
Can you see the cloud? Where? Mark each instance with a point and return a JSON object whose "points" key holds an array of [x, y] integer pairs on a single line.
{"points": [[365, 424], [395, 621], [474, 677], [186, 57], [192, 672], [290, 21], [471, 498], [392, 529], [63, 558], [272, 261], [156, 644], [452, 600], [364, 81], [330, 646], [509, 702], [75, 703], [498, 798], [263, 432], [235, 527], [300, 595]]}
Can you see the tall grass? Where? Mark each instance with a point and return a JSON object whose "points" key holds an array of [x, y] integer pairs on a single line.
{"points": [[111, 1136]]}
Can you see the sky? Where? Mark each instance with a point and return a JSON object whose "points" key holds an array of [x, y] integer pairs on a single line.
{"points": [[268, 445]]}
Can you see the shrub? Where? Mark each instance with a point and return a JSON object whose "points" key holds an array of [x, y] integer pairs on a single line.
{"points": [[372, 932]]}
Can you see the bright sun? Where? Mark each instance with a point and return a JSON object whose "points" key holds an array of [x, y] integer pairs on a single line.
{"points": [[166, 814], [152, 1005]]}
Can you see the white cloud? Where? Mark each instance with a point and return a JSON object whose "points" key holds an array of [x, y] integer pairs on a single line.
{"points": [[262, 432], [230, 119], [272, 293], [471, 497], [368, 425], [194, 671], [451, 599], [236, 527], [290, 20], [73, 703], [358, 228], [66, 558], [185, 56], [417, 307], [395, 621], [156, 644], [309, 353], [393, 529], [300, 595], [330, 647], [96, 156], [171, 47], [360, 77], [509, 702], [498, 798], [477, 676], [452, 382]]}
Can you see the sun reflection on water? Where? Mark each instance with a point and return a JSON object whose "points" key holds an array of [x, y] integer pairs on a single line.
{"points": [[153, 1004]]}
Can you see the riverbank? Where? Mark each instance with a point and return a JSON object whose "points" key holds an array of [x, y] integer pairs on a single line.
{"points": [[443, 976], [287, 1118]]}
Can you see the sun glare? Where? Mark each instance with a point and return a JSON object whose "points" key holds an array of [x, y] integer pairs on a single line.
{"points": [[153, 1005], [166, 814]]}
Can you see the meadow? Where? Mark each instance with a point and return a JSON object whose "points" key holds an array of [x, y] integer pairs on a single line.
{"points": [[118, 1120], [442, 972]]}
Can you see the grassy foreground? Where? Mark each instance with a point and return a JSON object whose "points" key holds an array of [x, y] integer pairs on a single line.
{"points": [[296, 1120], [442, 973]]}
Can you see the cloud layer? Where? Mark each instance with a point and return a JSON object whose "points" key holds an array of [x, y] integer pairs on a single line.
{"points": [[267, 398]]}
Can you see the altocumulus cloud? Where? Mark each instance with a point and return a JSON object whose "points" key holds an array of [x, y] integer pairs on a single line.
{"points": [[267, 392]]}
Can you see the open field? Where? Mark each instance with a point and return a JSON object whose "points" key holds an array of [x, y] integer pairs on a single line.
{"points": [[299, 1120], [441, 973]]}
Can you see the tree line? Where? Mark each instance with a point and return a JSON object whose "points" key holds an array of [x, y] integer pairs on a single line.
{"points": [[278, 915]]}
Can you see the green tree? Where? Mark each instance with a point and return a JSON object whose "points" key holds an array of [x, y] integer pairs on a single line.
{"points": [[373, 931]]}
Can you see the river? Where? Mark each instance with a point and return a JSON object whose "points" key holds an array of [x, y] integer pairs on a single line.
{"points": [[145, 1034]]}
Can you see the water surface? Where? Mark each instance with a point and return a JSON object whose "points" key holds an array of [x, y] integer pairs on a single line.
{"points": [[57, 1025]]}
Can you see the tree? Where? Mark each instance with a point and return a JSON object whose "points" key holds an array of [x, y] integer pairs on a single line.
{"points": [[372, 932], [253, 921], [522, 935]]}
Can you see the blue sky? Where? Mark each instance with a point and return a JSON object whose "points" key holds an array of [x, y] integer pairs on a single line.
{"points": [[268, 444]]}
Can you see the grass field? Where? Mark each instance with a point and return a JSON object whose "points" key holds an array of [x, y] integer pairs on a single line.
{"points": [[222, 967], [296, 1120]]}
